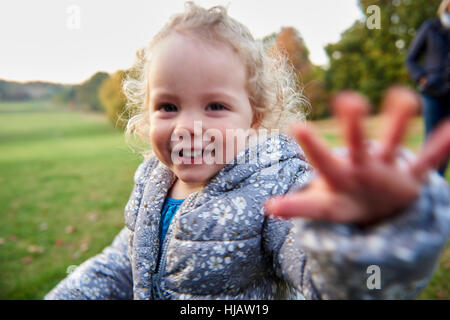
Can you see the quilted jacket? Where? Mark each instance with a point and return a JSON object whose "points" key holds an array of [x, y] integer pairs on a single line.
{"points": [[221, 245]]}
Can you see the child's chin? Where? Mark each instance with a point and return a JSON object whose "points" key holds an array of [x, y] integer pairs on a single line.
{"points": [[196, 175], [193, 181]]}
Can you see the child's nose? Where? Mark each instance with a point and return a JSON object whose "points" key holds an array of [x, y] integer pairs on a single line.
{"points": [[189, 123]]}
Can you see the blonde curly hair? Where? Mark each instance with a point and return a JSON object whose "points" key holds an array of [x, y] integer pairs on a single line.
{"points": [[272, 86]]}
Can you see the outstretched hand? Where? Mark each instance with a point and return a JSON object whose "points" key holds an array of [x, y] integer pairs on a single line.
{"points": [[365, 186]]}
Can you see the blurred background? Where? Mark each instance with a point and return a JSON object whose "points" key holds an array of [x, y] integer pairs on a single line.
{"points": [[66, 171]]}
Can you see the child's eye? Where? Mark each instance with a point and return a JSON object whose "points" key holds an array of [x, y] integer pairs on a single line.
{"points": [[215, 106], [167, 107]]}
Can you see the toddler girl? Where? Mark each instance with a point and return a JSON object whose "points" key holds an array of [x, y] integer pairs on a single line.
{"points": [[210, 102]]}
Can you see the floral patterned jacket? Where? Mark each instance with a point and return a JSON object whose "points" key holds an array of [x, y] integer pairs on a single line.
{"points": [[221, 245]]}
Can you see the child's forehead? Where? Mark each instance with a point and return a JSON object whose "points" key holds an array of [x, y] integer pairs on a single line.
{"points": [[198, 40], [181, 61], [179, 48]]}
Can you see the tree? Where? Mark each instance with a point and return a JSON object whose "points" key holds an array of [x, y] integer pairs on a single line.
{"points": [[30, 90], [66, 96], [310, 78], [87, 92], [113, 100], [370, 60], [291, 43]]}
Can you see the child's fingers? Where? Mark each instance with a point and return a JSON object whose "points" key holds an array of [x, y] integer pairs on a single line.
{"points": [[435, 151], [351, 108], [400, 104], [319, 155], [311, 205]]}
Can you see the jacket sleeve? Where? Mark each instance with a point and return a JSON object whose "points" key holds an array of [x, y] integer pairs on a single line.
{"points": [[415, 51], [391, 260], [106, 276], [102, 277]]}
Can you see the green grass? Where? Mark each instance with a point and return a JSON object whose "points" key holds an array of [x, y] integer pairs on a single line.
{"points": [[60, 168], [57, 169]]}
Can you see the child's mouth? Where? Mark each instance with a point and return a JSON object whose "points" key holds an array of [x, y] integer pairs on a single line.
{"points": [[191, 153], [194, 156]]}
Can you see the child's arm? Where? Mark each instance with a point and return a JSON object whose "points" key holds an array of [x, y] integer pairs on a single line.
{"points": [[355, 243], [326, 260], [108, 274]]}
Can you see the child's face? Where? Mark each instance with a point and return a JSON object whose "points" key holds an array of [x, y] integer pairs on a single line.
{"points": [[191, 80]]}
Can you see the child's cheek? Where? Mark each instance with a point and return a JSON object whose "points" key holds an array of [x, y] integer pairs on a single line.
{"points": [[160, 142], [234, 143], [225, 148]]}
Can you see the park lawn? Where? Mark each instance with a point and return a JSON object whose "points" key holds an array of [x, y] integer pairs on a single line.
{"points": [[66, 177]]}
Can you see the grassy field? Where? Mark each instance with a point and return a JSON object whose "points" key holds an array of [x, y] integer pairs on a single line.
{"points": [[65, 178]]}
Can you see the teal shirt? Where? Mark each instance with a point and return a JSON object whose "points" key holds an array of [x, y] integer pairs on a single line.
{"points": [[168, 211], [170, 207]]}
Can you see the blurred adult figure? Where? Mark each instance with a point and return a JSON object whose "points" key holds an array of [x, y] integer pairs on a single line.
{"points": [[432, 43]]}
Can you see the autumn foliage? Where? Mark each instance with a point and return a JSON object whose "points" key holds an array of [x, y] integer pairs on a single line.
{"points": [[113, 100], [310, 77]]}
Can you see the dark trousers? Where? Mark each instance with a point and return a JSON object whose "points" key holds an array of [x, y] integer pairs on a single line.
{"points": [[435, 111]]}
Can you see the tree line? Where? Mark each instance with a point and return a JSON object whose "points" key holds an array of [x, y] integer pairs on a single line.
{"points": [[364, 59]]}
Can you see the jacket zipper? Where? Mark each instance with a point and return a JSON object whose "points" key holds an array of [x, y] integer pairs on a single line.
{"points": [[156, 279]]}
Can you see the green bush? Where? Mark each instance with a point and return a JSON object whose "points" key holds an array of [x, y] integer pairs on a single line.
{"points": [[113, 100]]}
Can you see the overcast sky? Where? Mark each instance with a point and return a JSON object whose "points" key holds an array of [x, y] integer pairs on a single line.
{"points": [[45, 40]]}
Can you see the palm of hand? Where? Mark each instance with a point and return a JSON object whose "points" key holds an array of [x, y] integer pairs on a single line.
{"points": [[365, 186]]}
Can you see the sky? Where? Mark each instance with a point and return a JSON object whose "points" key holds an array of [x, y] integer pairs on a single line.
{"points": [[67, 41]]}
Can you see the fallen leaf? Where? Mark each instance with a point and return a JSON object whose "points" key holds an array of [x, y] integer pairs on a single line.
{"points": [[70, 229], [2, 241], [59, 242], [35, 249], [84, 247], [13, 238], [75, 255], [27, 259]]}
